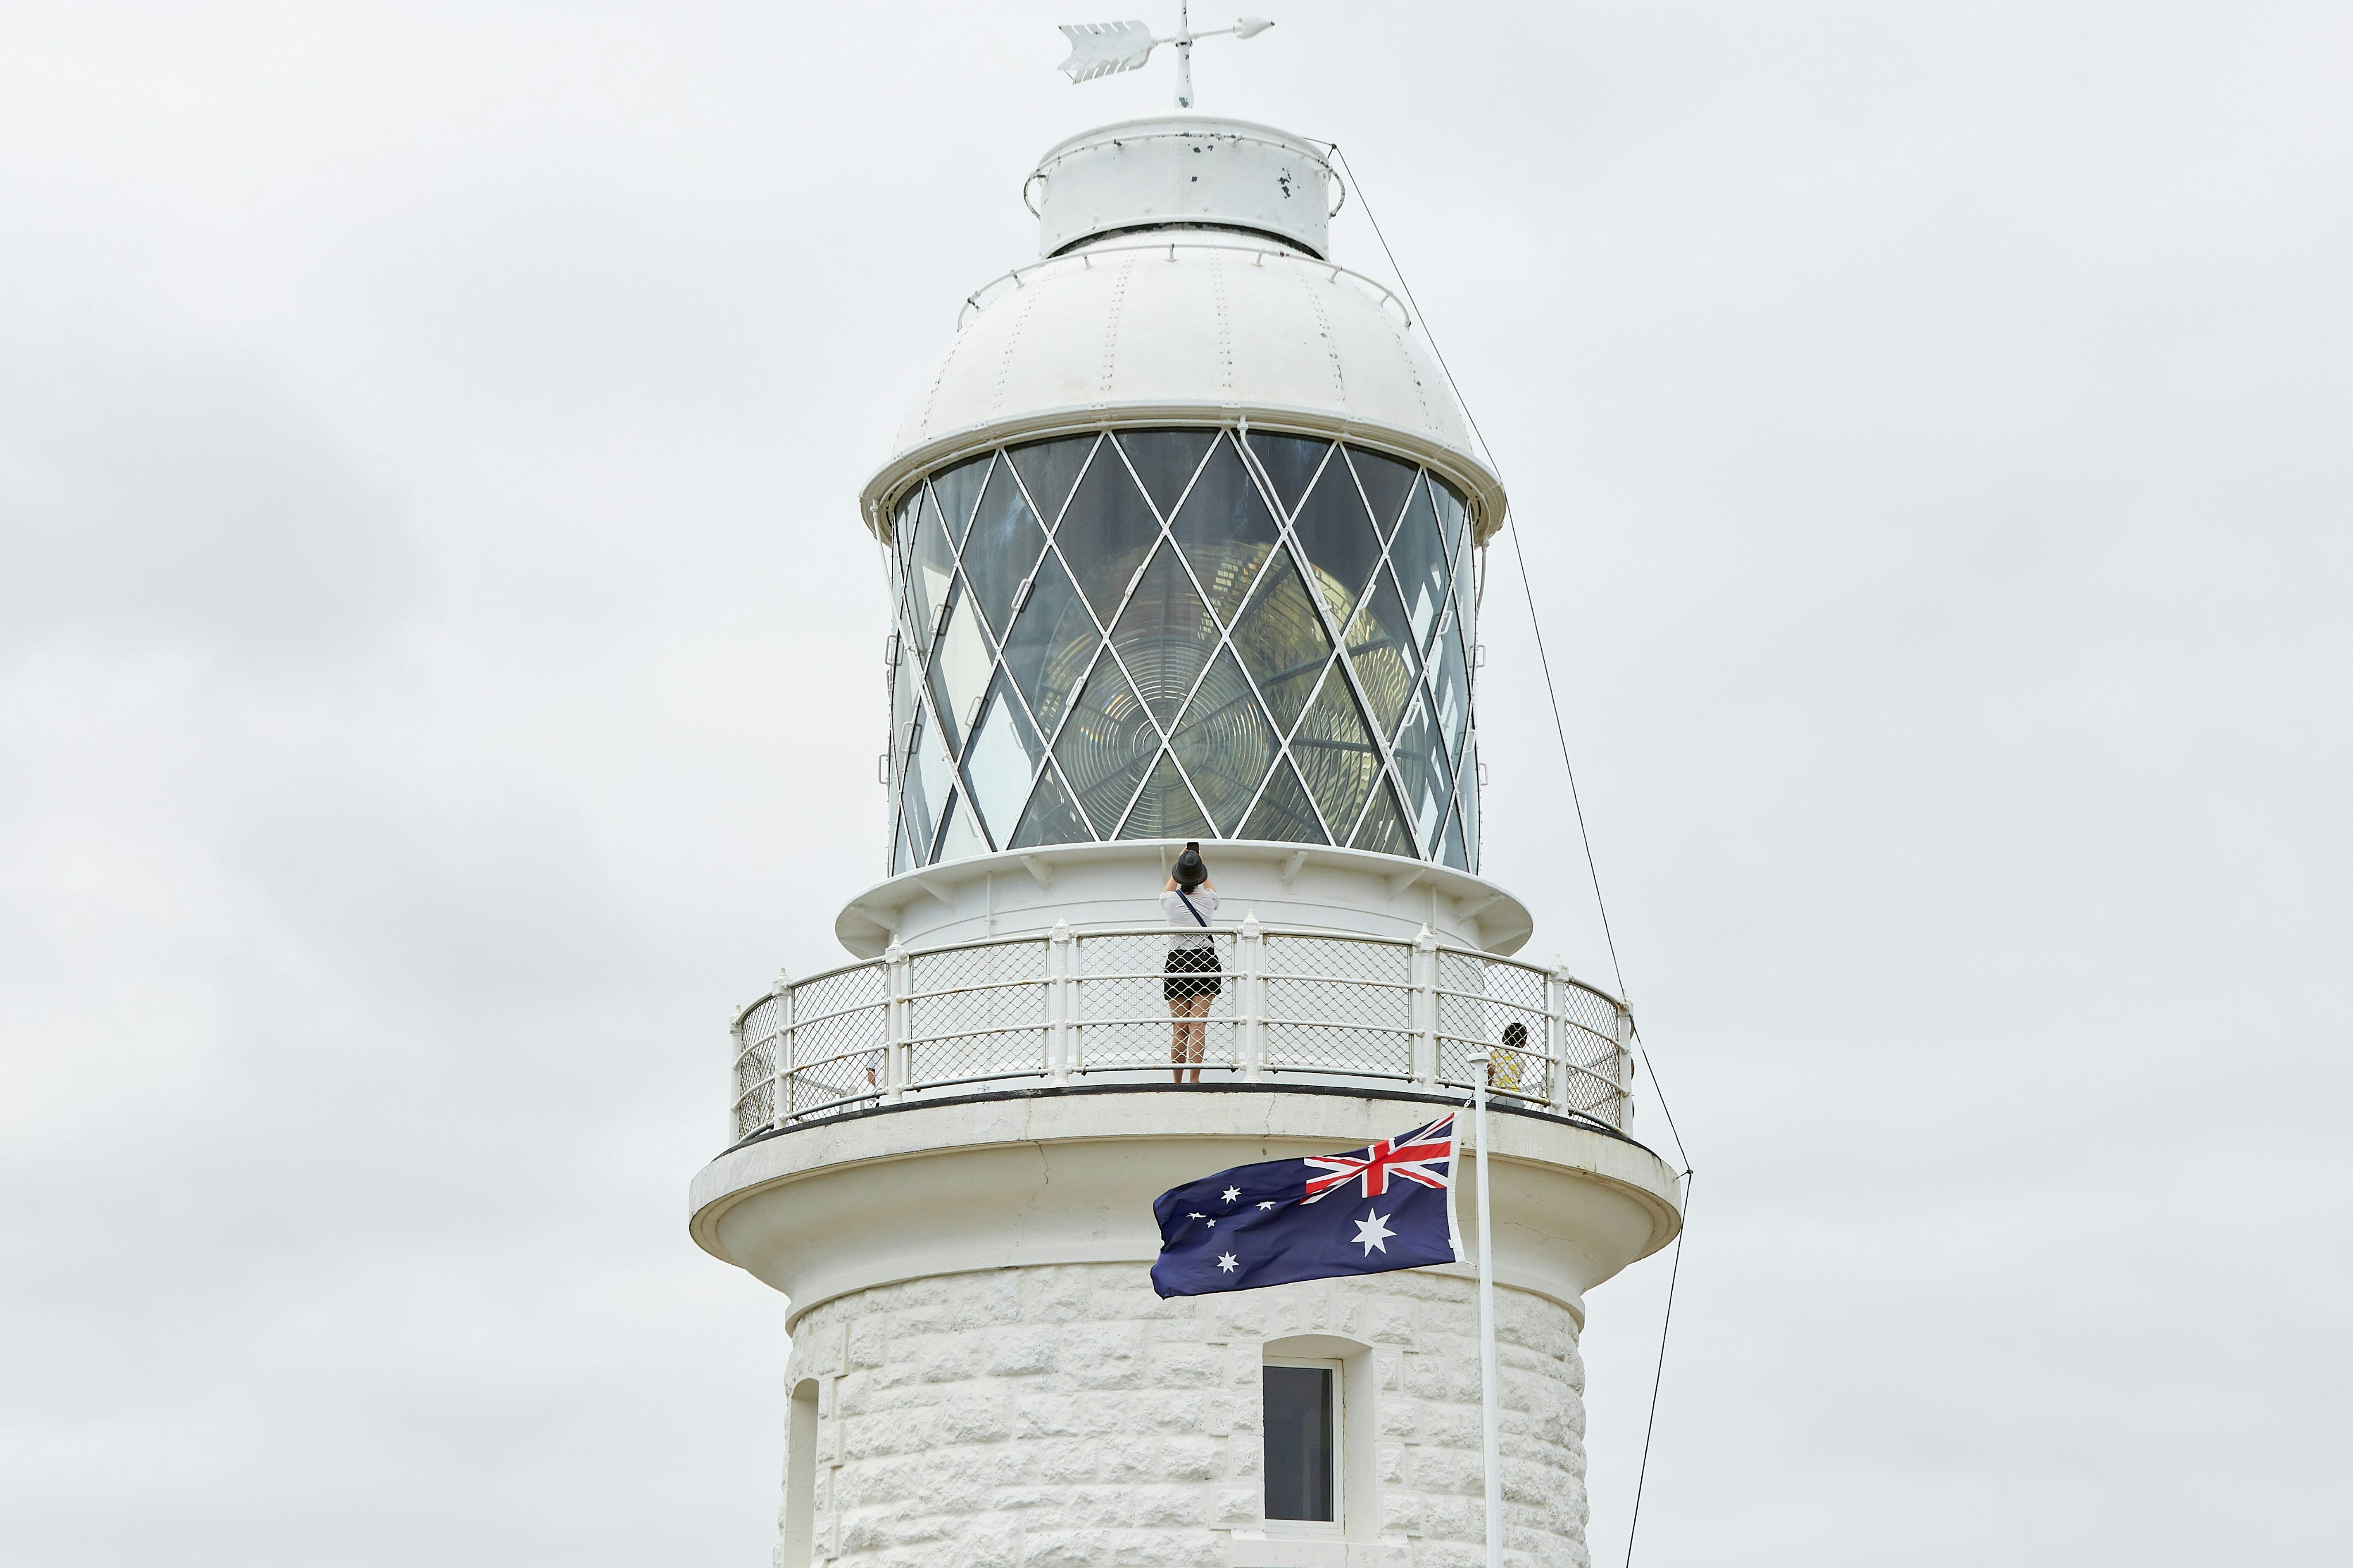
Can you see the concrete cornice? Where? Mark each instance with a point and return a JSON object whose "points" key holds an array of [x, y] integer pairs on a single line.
{"points": [[1032, 1179]]}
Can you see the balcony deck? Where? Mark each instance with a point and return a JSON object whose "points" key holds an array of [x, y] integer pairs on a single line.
{"points": [[1083, 1006]]}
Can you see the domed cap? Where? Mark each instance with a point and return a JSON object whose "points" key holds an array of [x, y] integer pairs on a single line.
{"points": [[1183, 171]]}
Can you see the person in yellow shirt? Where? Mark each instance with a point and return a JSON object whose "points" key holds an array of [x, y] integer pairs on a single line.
{"points": [[1505, 1067]]}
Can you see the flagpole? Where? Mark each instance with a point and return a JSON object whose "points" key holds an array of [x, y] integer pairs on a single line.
{"points": [[1491, 1412]]}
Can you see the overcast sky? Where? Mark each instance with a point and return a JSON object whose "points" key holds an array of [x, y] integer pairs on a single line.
{"points": [[440, 676]]}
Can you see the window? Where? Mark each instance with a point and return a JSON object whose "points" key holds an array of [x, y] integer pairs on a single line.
{"points": [[1303, 1440]]}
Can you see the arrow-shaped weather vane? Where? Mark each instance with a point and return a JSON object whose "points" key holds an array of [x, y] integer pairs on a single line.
{"points": [[1105, 48]]}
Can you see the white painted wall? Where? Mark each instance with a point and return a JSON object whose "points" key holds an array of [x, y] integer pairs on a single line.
{"points": [[1320, 887]]}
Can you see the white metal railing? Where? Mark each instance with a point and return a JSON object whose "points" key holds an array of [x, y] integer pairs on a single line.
{"points": [[1086, 1004], [988, 293]]}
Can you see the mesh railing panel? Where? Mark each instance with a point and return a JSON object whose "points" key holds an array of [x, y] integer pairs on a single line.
{"points": [[975, 1013], [1492, 1017], [1595, 1065], [1339, 1004], [755, 1091], [836, 1054], [756, 1067], [1121, 1009]]}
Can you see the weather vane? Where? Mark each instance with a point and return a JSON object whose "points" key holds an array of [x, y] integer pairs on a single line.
{"points": [[1104, 49]]}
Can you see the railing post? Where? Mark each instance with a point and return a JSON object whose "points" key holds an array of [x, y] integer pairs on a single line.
{"points": [[781, 1081], [1425, 1007], [735, 1077], [1250, 958], [1557, 1033], [1625, 1068], [1060, 950], [898, 1069]]}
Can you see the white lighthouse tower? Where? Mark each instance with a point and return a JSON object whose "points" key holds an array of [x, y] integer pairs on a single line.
{"points": [[1180, 540]]}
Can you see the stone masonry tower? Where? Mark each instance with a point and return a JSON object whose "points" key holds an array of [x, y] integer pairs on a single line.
{"points": [[1181, 540]]}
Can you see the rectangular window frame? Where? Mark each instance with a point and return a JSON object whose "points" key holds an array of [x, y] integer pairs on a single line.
{"points": [[1333, 1529]]}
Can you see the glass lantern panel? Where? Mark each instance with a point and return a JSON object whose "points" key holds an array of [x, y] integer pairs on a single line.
{"points": [[931, 573], [1166, 461], [1049, 468], [1420, 558], [1451, 511], [960, 667], [1002, 546], [1225, 744], [902, 696], [1225, 530], [1164, 637], [957, 488], [1335, 754], [959, 839], [1423, 773], [1002, 762], [1466, 797], [1106, 533], [1451, 850], [1105, 745], [902, 530], [1051, 641], [903, 854], [1385, 481], [1380, 642], [1282, 812], [1336, 533], [1384, 831], [923, 785], [1282, 642], [1051, 818], [1466, 591], [1166, 808], [1290, 462], [1450, 685]]}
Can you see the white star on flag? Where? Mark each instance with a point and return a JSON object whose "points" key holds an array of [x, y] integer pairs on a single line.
{"points": [[1226, 1264], [1232, 1193], [1373, 1231], [1268, 1204]]}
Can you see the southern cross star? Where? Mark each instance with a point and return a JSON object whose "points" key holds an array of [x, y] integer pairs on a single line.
{"points": [[1373, 1231], [1226, 1264], [1232, 1193], [1268, 1204]]}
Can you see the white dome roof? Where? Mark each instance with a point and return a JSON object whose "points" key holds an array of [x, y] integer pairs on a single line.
{"points": [[1190, 324]]}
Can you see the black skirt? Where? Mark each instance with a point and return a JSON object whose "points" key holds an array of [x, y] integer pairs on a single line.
{"points": [[1201, 962]]}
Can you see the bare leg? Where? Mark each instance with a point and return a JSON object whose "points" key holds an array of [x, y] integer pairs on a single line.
{"points": [[1197, 1033]]}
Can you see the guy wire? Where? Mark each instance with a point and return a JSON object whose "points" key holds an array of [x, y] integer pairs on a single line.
{"points": [[1535, 625], [1592, 870]]}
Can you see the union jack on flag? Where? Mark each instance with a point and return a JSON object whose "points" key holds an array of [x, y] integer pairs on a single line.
{"points": [[1408, 1158], [1260, 1225]]}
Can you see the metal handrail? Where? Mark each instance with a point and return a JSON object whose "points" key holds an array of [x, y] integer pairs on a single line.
{"points": [[1043, 1024], [981, 297]]}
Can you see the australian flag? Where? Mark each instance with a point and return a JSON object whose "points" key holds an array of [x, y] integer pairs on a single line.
{"points": [[1387, 1206]]}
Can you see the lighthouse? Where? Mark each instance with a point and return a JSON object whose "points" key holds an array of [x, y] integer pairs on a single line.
{"points": [[1181, 540]]}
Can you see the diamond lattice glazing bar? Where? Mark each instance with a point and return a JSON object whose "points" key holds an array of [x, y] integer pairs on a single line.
{"points": [[1182, 633]]}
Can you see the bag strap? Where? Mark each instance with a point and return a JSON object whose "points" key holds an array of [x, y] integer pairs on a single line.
{"points": [[1196, 913]]}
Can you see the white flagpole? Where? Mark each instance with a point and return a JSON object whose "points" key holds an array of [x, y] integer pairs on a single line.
{"points": [[1490, 1409]]}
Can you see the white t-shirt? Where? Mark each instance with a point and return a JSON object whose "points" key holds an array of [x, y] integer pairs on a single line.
{"points": [[1189, 933]]}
